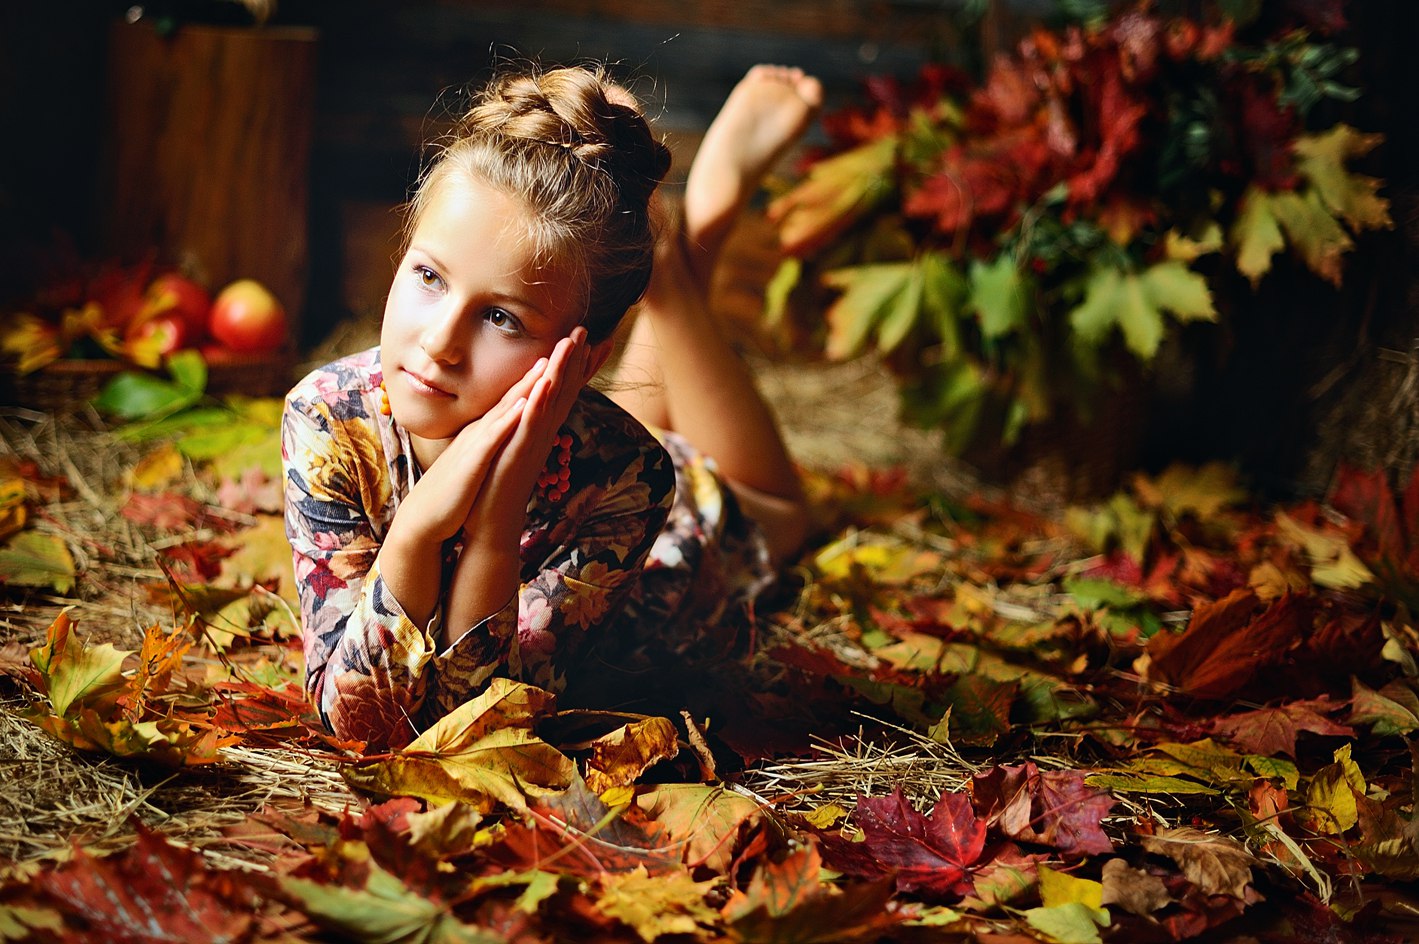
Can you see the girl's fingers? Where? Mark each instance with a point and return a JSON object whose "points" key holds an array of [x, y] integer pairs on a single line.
{"points": [[523, 387]]}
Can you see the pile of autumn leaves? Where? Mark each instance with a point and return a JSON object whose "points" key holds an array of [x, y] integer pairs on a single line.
{"points": [[1204, 719]]}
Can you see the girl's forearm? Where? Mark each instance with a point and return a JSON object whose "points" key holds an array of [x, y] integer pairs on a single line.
{"points": [[485, 578], [411, 566]]}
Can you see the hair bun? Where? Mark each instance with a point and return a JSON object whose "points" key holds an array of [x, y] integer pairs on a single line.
{"points": [[582, 112]]}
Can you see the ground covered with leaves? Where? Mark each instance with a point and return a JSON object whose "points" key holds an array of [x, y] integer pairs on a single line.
{"points": [[1170, 715]]}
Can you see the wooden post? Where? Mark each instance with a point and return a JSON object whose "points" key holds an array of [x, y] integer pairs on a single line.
{"points": [[207, 152]]}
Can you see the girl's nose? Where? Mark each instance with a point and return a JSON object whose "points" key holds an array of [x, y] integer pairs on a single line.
{"points": [[442, 338]]}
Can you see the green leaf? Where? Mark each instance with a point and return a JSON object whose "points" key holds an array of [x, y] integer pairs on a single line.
{"points": [[73, 672], [776, 294], [1093, 593], [1134, 783], [1070, 923], [1256, 235], [33, 559], [1312, 232], [942, 293], [1135, 302], [998, 296], [871, 295], [188, 370], [384, 911], [948, 396], [132, 395]]}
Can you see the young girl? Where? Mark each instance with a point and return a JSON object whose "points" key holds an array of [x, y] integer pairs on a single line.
{"points": [[460, 504]]}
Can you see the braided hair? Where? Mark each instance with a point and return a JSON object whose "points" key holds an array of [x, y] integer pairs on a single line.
{"points": [[577, 151]]}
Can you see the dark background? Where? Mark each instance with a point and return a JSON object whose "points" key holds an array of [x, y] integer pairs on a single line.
{"points": [[1306, 376]]}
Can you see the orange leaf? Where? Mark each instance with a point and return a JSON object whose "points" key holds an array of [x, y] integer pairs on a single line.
{"points": [[620, 756]]}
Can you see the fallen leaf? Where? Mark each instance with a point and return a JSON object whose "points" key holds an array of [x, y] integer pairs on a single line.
{"points": [[1216, 864], [1072, 908], [654, 906], [576, 833], [1273, 730], [152, 891], [1393, 709], [1053, 808], [1228, 642], [933, 853], [620, 756], [483, 753], [788, 901], [708, 819], [37, 559], [381, 910], [1133, 890], [75, 673]]}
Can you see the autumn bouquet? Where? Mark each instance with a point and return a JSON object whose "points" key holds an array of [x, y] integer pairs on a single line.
{"points": [[1007, 244]]}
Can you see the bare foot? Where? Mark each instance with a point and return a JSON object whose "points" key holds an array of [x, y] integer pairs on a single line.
{"points": [[767, 111]]}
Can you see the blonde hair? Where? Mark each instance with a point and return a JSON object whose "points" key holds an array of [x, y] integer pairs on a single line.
{"points": [[576, 149]]}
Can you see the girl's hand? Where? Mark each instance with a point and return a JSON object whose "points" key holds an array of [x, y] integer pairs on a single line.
{"points": [[488, 569], [501, 508]]}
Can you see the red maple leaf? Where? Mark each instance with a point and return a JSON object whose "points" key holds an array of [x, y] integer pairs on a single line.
{"points": [[1272, 731], [1052, 808], [153, 891], [933, 853]]}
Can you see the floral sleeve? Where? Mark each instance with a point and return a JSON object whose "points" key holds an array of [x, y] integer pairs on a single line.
{"points": [[372, 673], [348, 617]]}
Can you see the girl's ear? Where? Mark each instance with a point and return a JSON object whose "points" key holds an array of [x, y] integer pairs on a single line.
{"points": [[600, 351]]}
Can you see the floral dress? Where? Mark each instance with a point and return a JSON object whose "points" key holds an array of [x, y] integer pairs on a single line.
{"points": [[646, 538]]}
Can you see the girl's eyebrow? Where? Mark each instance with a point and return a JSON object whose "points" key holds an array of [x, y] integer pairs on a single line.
{"points": [[521, 301]]}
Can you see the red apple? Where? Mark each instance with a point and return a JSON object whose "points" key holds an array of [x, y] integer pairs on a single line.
{"points": [[247, 317], [173, 293], [155, 337]]}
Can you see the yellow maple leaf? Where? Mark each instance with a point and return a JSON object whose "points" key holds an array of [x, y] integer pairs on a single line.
{"points": [[1320, 158], [654, 906], [836, 193], [482, 753], [620, 756], [76, 674]]}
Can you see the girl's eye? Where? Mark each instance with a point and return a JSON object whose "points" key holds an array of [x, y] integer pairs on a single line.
{"points": [[502, 320], [428, 277]]}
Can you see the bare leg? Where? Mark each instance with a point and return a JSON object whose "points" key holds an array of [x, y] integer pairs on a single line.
{"points": [[680, 370]]}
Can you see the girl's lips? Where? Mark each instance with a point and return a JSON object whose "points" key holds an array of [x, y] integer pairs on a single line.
{"points": [[422, 386]]}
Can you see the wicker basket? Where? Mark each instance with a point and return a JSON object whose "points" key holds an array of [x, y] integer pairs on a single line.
{"points": [[65, 384]]}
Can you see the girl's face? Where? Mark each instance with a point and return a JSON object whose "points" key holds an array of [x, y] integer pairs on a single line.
{"points": [[469, 311]]}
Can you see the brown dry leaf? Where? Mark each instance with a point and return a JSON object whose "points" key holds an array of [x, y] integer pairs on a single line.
{"points": [[1133, 890], [1216, 864], [445, 830], [482, 753], [708, 819], [620, 756], [1228, 642], [657, 905]]}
